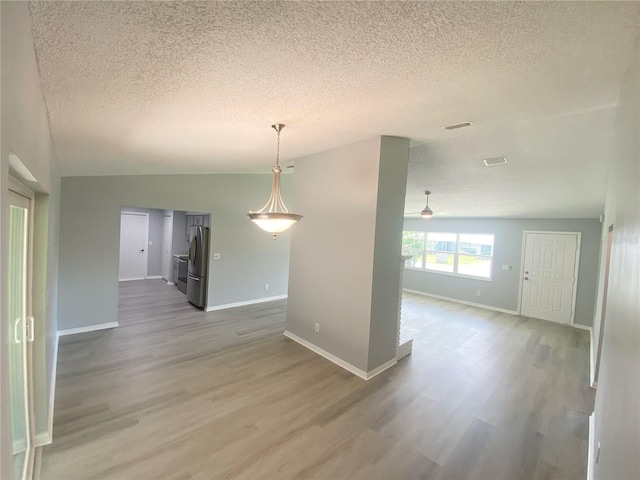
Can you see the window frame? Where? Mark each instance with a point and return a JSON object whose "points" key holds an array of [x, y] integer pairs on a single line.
{"points": [[456, 254]]}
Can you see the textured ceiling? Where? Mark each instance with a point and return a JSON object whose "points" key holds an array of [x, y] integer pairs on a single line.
{"points": [[160, 87]]}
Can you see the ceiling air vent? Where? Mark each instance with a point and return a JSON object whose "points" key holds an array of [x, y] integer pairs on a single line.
{"points": [[490, 162], [457, 125]]}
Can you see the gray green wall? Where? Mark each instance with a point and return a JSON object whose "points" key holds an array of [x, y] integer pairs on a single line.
{"points": [[90, 226], [385, 290], [502, 291], [617, 412], [25, 131], [339, 251]]}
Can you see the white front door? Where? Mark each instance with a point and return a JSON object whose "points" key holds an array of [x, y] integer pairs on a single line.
{"points": [[167, 234], [550, 276], [134, 234]]}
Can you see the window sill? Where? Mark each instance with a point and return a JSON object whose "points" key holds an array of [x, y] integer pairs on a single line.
{"points": [[449, 274]]}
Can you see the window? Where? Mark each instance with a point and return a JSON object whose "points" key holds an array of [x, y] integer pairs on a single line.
{"points": [[464, 254]]}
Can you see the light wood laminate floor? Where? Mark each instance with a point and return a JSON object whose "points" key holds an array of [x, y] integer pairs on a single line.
{"points": [[177, 393]]}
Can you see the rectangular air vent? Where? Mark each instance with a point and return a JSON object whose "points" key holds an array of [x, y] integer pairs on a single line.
{"points": [[490, 162], [458, 125]]}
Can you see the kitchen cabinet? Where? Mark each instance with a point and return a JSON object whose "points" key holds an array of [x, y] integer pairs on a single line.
{"points": [[176, 264], [195, 220]]}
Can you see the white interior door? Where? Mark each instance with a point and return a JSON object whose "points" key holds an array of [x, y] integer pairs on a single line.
{"points": [[550, 276], [167, 237], [19, 334], [134, 238]]}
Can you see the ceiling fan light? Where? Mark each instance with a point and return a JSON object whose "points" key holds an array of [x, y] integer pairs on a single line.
{"points": [[426, 211]]}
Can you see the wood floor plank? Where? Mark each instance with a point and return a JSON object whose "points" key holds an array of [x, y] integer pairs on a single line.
{"points": [[177, 393]]}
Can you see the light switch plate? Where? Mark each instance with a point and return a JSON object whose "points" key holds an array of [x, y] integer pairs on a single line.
{"points": [[216, 256]]}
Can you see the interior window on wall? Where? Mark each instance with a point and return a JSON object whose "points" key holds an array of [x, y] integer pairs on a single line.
{"points": [[413, 244], [463, 254], [441, 251], [475, 255]]}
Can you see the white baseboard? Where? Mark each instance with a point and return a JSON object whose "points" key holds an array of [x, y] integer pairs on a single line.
{"points": [[154, 277], [170, 284], [581, 327], [463, 302], [591, 451], [338, 361], [592, 354], [130, 279], [88, 328], [247, 302], [372, 373], [45, 438], [42, 439]]}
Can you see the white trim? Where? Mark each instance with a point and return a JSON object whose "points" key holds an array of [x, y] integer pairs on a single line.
{"points": [[576, 269], [131, 279], [581, 327], [42, 439], [16, 186], [170, 284], [88, 328], [45, 438], [459, 275], [463, 302], [242, 304], [592, 366], [591, 450], [20, 169], [376, 371], [338, 361], [154, 277]]}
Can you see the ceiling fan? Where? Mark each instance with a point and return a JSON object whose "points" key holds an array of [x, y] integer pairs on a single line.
{"points": [[426, 212]]}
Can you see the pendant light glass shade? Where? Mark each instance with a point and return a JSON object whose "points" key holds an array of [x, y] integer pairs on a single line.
{"points": [[274, 216], [426, 211]]}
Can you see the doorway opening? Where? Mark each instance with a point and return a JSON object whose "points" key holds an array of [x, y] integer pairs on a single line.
{"points": [[134, 238], [158, 245]]}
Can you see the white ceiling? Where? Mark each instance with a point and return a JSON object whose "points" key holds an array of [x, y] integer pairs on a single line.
{"points": [[193, 87]]}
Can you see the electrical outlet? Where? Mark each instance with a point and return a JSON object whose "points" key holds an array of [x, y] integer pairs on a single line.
{"points": [[478, 293], [150, 243], [317, 327], [266, 286]]}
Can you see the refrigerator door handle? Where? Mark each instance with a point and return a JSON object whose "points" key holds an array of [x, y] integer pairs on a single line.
{"points": [[195, 279], [195, 248]]}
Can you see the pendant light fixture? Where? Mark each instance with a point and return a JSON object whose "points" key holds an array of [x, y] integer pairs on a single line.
{"points": [[274, 216], [426, 211]]}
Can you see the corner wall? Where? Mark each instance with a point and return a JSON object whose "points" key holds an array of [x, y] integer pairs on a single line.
{"points": [[156, 228], [342, 248], [617, 412]]}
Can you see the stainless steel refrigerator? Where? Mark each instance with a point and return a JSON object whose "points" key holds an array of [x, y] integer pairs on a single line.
{"points": [[197, 271]]}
